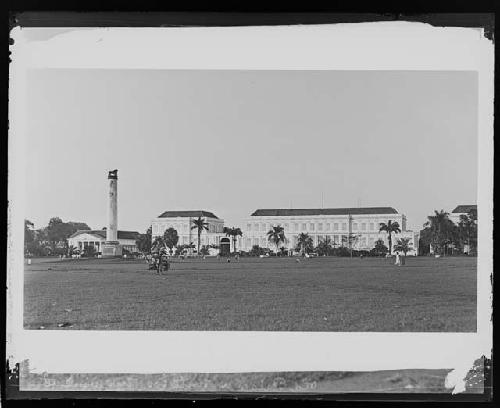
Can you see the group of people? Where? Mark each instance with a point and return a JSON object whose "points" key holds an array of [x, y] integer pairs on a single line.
{"points": [[159, 260]]}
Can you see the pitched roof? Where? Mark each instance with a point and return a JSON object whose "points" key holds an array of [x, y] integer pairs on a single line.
{"points": [[465, 209], [128, 234], [323, 211], [193, 214], [102, 234]]}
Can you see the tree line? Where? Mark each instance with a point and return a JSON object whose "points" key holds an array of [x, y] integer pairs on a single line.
{"points": [[327, 247], [51, 239], [442, 236]]}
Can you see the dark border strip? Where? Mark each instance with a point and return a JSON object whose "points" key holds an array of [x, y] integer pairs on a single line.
{"points": [[231, 19]]}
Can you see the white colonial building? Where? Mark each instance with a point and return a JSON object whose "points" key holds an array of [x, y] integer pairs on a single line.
{"points": [[82, 239], [461, 210], [336, 223], [182, 221]]}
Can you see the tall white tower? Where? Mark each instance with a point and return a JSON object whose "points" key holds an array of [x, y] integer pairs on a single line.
{"points": [[112, 247]]}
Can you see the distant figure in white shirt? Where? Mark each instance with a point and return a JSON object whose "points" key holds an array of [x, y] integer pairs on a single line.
{"points": [[398, 259]]}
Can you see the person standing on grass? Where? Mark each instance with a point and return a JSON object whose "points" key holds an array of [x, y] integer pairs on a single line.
{"points": [[398, 259], [162, 259]]}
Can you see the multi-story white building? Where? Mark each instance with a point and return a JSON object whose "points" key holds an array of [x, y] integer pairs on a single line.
{"points": [[461, 210], [336, 223], [182, 221]]}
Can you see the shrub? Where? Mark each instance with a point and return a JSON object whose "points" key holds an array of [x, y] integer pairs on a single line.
{"points": [[343, 251]]}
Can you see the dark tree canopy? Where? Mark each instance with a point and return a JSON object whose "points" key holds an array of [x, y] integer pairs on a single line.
{"points": [[51, 240], [144, 241], [379, 249], [59, 231], [170, 237]]}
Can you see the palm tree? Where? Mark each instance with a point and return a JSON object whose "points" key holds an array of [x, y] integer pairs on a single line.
{"points": [[390, 227], [158, 244], [233, 232], [200, 225], [438, 224], [276, 235], [404, 245], [304, 242]]}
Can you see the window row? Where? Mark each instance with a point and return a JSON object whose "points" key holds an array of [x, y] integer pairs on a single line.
{"points": [[183, 228], [336, 240], [316, 226]]}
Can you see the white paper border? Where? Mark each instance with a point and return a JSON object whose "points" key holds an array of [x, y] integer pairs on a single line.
{"points": [[366, 46]]}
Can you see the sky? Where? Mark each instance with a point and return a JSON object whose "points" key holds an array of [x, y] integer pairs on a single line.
{"points": [[234, 141]]}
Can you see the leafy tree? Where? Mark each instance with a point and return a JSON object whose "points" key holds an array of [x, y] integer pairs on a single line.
{"points": [[343, 251], [379, 249], [200, 225], [452, 236], [144, 241], [233, 232], [276, 236], [204, 250], [158, 244], [468, 230], [442, 230], [170, 238], [325, 247], [304, 243], [29, 236], [390, 227], [77, 226], [424, 241], [403, 245], [58, 232], [256, 251], [350, 240]]}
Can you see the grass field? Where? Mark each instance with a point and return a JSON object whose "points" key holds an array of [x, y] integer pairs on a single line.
{"points": [[272, 294]]}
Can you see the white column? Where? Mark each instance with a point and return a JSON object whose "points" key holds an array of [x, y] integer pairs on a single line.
{"points": [[112, 228]]}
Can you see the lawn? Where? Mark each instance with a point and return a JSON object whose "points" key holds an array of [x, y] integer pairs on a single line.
{"points": [[270, 294]]}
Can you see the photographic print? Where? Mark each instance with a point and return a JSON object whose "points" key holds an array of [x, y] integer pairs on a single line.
{"points": [[258, 211], [290, 187]]}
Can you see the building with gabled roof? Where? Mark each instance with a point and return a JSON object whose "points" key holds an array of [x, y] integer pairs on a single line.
{"points": [[182, 221], [81, 239], [322, 211], [188, 214], [338, 224], [462, 210]]}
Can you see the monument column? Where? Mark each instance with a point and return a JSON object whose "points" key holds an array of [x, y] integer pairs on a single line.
{"points": [[112, 247], [112, 227]]}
